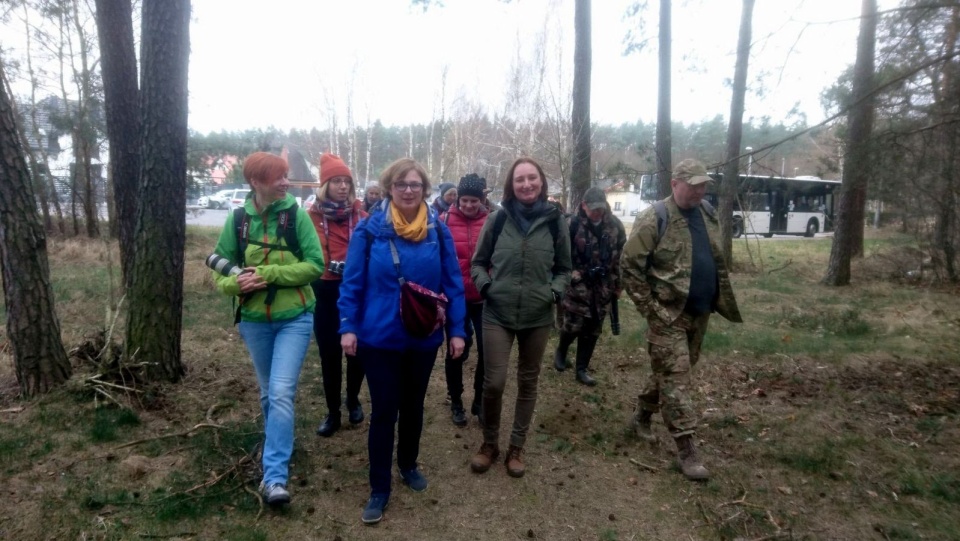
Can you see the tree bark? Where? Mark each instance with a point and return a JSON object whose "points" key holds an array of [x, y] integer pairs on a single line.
{"points": [[663, 143], [156, 290], [580, 170], [121, 95], [731, 170], [851, 211], [32, 325]]}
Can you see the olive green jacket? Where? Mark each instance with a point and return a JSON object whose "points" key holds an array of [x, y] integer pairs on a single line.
{"points": [[661, 289], [519, 277]]}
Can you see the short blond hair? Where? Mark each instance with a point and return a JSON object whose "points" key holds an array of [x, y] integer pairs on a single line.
{"points": [[397, 170]]}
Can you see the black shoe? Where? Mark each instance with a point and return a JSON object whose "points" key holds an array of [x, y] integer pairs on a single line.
{"points": [[584, 378], [457, 414], [355, 414], [330, 425], [475, 407], [559, 361]]}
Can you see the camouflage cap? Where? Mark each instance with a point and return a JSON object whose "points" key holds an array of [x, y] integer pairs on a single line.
{"points": [[595, 199], [691, 171]]}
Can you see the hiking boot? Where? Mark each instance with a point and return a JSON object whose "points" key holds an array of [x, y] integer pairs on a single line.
{"points": [[274, 493], [457, 414], [484, 458], [330, 425], [690, 463], [414, 479], [355, 413], [584, 377], [514, 462], [641, 426], [373, 511]]}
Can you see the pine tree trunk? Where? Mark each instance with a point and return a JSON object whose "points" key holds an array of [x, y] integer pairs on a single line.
{"points": [[663, 143], [119, 68], [731, 170], [156, 291], [580, 170], [32, 326], [851, 211]]}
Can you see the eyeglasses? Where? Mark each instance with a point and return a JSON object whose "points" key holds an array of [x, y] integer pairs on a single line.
{"points": [[340, 181], [412, 186]]}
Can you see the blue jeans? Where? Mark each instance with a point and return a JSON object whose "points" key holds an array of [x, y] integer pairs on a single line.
{"points": [[398, 385], [277, 349]]}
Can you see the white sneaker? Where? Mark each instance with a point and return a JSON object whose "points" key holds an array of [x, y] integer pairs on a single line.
{"points": [[275, 493]]}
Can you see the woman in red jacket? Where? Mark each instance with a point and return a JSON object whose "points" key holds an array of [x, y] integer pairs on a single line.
{"points": [[465, 221], [335, 214]]}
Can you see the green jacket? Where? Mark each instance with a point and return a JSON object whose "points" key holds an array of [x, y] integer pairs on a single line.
{"points": [[519, 276], [277, 267], [661, 289]]}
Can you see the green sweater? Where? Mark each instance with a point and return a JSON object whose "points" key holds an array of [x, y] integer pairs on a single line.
{"points": [[519, 276], [277, 267]]}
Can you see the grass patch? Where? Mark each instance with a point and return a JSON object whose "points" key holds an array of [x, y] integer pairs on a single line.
{"points": [[108, 421]]}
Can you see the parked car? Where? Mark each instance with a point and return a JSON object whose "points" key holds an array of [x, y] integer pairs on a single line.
{"points": [[224, 199], [234, 199]]}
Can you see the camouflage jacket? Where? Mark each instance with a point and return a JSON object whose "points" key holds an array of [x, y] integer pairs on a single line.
{"points": [[661, 289], [595, 253]]}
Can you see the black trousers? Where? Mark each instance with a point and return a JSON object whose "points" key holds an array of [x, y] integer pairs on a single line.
{"points": [[326, 328], [453, 368]]}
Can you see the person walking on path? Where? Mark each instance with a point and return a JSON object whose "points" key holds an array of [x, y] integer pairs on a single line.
{"points": [[674, 271], [465, 221], [403, 243], [521, 269], [335, 214], [597, 238]]}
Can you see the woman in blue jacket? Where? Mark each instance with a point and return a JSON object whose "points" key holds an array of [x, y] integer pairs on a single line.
{"points": [[397, 364]]}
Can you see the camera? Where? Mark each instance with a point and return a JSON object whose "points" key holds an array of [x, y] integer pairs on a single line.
{"points": [[223, 265], [595, 274], [336, 267]]}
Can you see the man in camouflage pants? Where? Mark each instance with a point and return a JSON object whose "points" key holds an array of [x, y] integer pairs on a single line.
{"points": [[674, 271], [597, 239]]}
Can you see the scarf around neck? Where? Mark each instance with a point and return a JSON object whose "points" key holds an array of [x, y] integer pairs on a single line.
{"points": [[525, 215], [414, 231]]}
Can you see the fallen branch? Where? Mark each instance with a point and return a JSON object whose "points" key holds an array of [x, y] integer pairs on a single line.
{"points": [[167, 436], [643, 466], [217, 479], [256, 494], [781, 267]]}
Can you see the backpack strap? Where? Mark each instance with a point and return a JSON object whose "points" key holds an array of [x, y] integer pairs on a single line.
{"points": [[708, 208], [498, 223], [241, 227]]}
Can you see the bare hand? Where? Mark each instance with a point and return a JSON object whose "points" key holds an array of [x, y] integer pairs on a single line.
{"points": [[348, 341], [250, 281], [456, 347]]}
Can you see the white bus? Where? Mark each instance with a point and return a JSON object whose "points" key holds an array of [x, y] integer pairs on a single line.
{"points": [[772, 205]]}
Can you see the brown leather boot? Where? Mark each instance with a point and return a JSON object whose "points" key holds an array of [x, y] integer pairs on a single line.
{"points": [[514, 462], [484, 458], [690, 463], [641, 426]]}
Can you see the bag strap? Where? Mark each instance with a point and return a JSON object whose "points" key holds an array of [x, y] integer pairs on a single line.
{"points": [[396, 262]]}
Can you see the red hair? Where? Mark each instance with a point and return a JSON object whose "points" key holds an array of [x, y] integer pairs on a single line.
{"points": [[264, 166]]}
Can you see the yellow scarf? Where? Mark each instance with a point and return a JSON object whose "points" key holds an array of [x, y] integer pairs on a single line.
{"points": [[415, 230]]}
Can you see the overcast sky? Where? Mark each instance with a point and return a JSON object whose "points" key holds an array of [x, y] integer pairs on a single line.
{"points": [[288, 63]]}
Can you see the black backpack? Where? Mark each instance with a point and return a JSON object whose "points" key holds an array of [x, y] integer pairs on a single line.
{"points": [[286, 230]]}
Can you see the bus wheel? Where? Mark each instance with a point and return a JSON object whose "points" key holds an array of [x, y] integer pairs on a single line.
{"points": [[812, 228], [737, 229]]}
